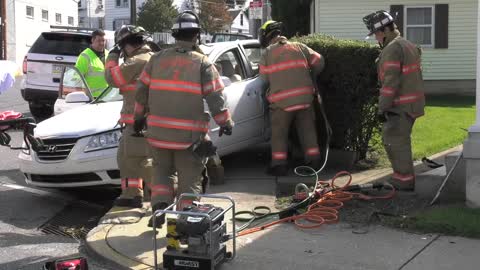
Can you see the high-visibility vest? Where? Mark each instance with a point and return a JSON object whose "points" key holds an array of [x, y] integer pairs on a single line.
{"points": [[93, 69]]}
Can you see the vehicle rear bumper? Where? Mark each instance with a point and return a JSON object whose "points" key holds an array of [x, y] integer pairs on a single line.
{"points": [[38, 94]]}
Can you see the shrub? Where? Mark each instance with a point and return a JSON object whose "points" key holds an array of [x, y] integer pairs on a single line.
{"points": [[349, 88]]}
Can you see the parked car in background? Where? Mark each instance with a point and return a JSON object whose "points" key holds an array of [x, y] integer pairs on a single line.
{"points": [[224, 37], [82, 140], [44, 61]]}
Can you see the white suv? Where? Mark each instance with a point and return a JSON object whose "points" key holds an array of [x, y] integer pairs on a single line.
{"points": [[44, 61]]}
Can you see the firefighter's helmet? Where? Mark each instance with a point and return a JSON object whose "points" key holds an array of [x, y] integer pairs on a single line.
{"points": [[377, 21], [187, 20], [127, 32], [268, 31]]}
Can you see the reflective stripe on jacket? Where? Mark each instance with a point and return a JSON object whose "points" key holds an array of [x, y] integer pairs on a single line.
{"points": [[400, 74], [93, 69], [125, 77], [174, 85], [286, 66]]}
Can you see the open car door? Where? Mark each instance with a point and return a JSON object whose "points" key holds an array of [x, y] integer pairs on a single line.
{"points": [[73, 90], [243, 91]]}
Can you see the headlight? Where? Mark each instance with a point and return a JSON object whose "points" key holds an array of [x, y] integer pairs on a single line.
{"points": [[103, 141]]}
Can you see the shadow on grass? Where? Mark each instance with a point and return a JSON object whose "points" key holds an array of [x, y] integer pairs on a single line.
{"points": [[454, 101]]}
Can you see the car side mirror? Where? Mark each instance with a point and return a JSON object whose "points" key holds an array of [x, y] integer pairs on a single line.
{"points": [[226, 81], [77, 97]]}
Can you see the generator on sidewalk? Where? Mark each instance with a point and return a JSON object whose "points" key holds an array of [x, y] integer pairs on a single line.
{"points": [[196, 235]]}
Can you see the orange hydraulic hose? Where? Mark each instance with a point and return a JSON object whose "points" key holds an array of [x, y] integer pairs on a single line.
{"points": [[325, 209]]}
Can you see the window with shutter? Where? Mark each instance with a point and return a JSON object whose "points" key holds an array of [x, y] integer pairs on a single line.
{"points": [[423, 25], [419, 25]]}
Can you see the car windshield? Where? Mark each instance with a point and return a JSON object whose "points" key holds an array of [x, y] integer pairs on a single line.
{"points": [[60, 43], [110, 94]]}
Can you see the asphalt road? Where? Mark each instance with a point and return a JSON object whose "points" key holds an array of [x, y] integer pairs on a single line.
{"points": [[24, 211]]}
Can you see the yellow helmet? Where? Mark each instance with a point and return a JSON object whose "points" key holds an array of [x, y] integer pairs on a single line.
{"points": [[268, 31]]}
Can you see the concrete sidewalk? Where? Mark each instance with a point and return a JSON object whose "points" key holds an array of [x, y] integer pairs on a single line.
{"points": [[129, 246]]}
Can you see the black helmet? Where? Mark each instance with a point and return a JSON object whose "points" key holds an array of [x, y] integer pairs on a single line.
{"points": [[128, 31], [187, 20], [268, 31], [377, 21]]}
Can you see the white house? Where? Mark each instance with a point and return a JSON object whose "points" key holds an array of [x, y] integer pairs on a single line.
{"points": [[91, 13], [26, 19], [239, 23], [445, 29], [117, 12]]}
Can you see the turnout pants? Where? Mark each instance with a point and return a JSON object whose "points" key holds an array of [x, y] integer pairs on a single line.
{"points": [[396, 139], [189, 173], [132, 159], [304, 124]]}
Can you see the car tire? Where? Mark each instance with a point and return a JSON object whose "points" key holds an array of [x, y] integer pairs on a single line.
{"points": [[41, 110]]}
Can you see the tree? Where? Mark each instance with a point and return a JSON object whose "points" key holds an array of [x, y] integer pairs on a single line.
{"points": [[295, 16], [213, 15], [157, 15]]}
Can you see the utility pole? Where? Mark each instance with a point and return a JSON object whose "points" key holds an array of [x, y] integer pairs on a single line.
{"points": [[89, 13], [133, 12], [3, 30]]}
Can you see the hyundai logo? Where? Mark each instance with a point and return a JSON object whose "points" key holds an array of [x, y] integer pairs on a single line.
{"points": [[59, 58], [52, 148]]}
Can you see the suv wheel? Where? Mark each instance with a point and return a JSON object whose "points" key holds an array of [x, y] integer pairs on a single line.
{"points": [[41, 110]]}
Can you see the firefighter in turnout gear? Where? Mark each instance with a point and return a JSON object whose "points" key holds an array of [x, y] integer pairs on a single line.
{"points": [[174, 85], [288, 68], [133, 151], [402, 97]]}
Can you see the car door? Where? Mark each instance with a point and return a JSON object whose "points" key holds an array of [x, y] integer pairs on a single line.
{"points": [[252, 53], [73, 90], [243, 94]]}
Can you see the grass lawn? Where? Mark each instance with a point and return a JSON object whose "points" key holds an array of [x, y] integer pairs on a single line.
{"points": [[449, 220], [443, 126]]}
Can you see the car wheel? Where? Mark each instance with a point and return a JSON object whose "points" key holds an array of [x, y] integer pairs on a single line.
{"points": [[41, 111]]}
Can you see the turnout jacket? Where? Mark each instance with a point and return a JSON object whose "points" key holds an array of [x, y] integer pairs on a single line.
{"points": [[288, 68], [400, 75], [125, 77], [174, 85]]}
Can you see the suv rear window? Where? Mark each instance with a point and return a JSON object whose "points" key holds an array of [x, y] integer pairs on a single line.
{"points": [[60, 43]]}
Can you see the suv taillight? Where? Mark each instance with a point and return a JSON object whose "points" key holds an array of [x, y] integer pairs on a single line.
{"points": [[24, 67]]}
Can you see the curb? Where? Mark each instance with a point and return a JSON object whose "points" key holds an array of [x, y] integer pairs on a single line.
{"points": [[419, 167], [97, 247]]}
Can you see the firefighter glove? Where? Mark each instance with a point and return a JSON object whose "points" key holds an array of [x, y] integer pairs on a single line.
{"points": [[139, 125], [116, 49], [382, 118], [227, 130]]}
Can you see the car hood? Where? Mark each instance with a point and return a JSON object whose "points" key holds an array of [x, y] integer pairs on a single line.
{"points": [[81, 121]]}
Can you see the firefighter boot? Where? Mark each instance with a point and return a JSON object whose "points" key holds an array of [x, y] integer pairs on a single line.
{"points": [[159, 220], [135, 202], [403, 184], [278, 170], [132, 193]]}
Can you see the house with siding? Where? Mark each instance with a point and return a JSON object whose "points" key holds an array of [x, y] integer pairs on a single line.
{"points": [[91, 13], [117, 12], [25, 20], [446, 30], [239, 23]]}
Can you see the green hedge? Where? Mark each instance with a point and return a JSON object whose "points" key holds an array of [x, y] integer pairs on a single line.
{"points": [[349, 88]]}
